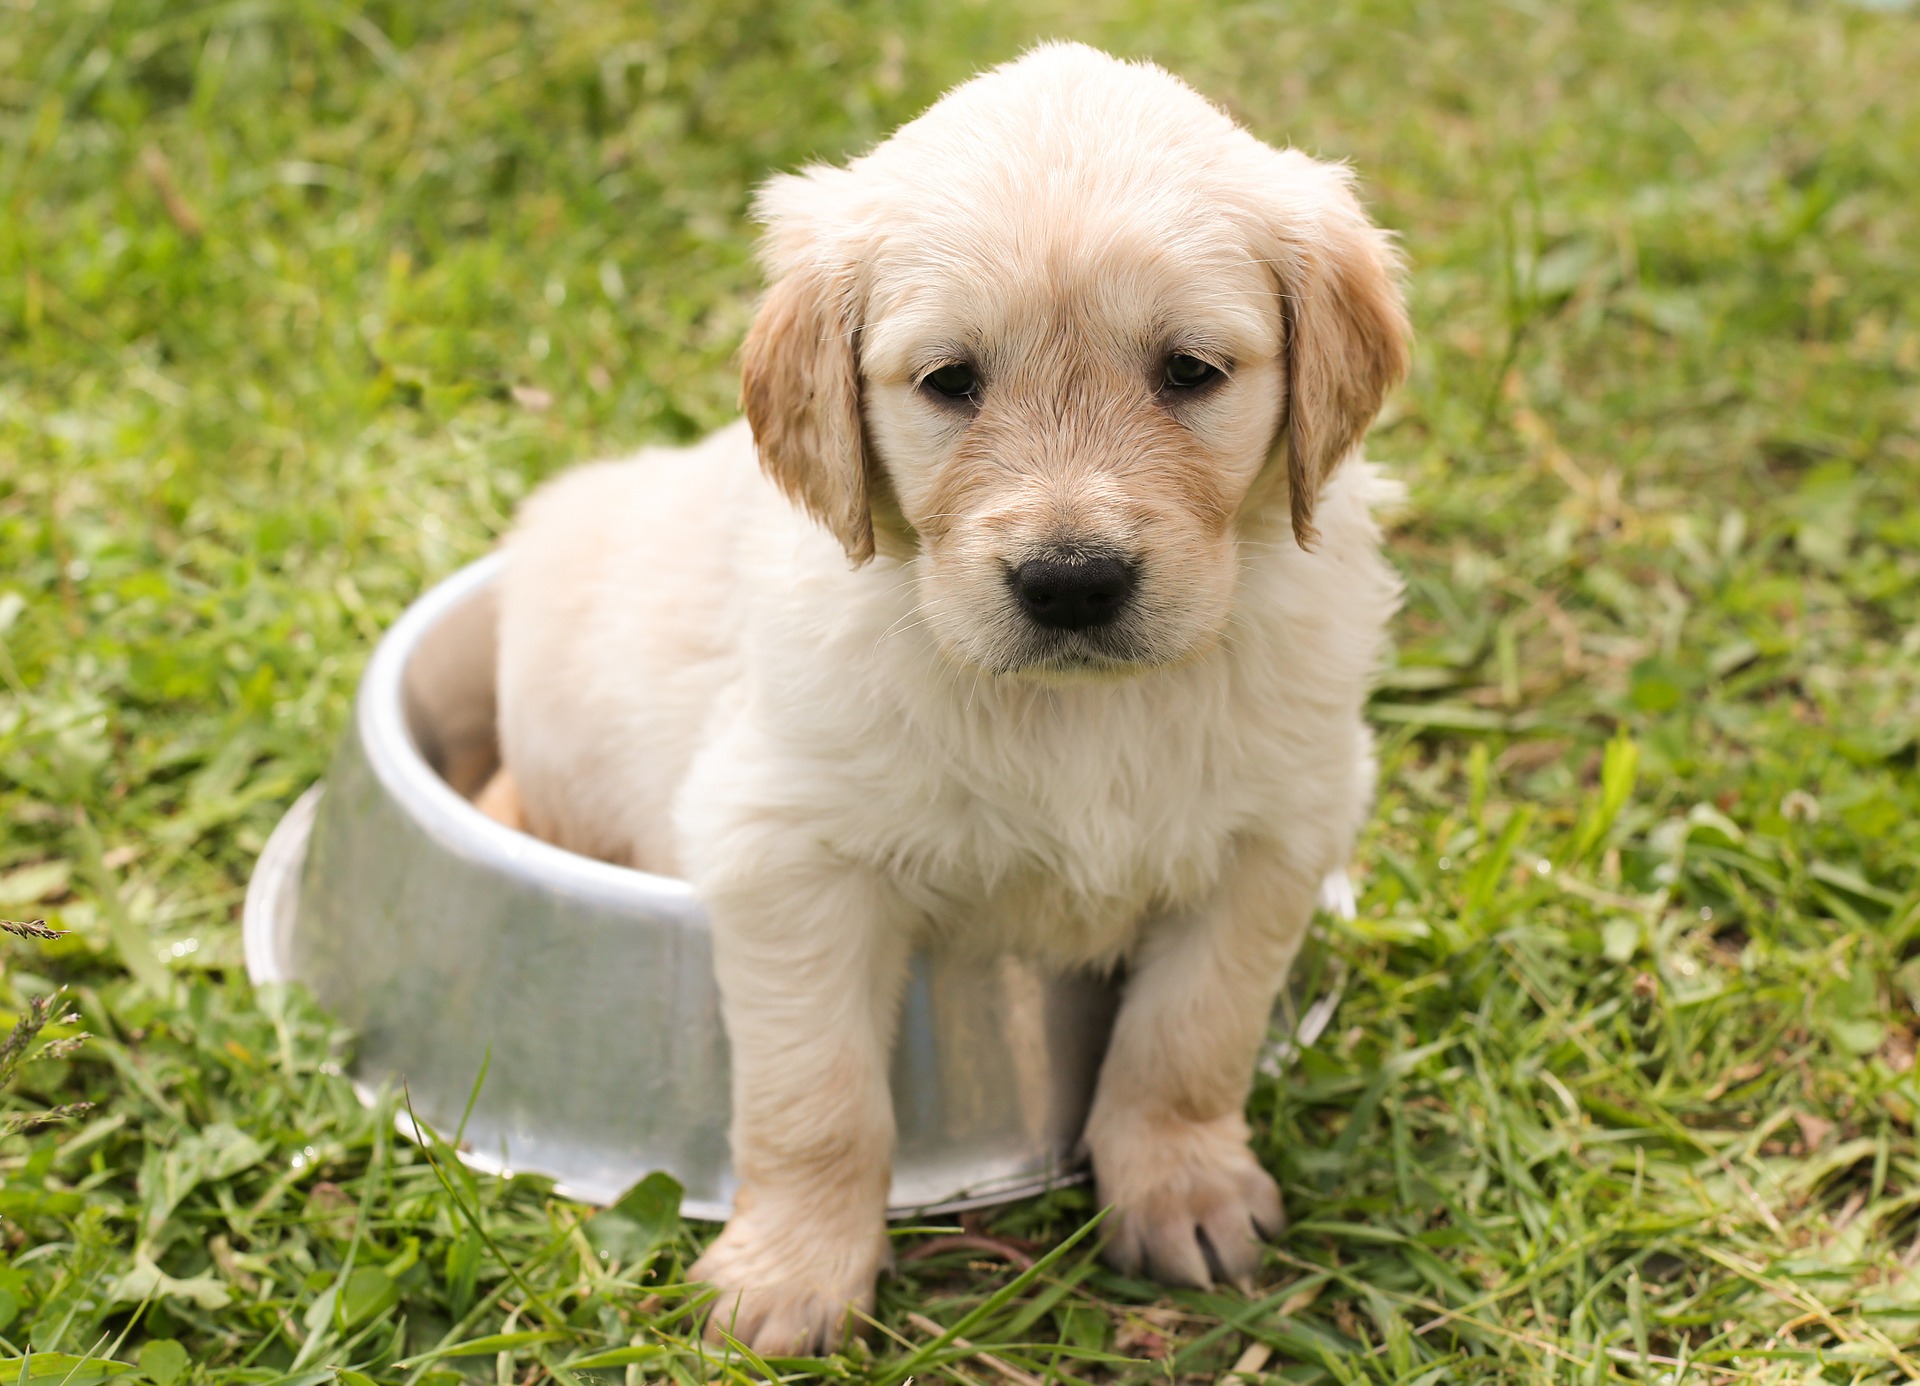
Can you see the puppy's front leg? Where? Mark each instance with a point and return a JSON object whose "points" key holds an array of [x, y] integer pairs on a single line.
{"points": [[1168, 1130], [811, 955]]}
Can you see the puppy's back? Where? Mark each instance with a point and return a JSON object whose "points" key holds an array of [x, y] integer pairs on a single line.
{"points": [[618, 632]]}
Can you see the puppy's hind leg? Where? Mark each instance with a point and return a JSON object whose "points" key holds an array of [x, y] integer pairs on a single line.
{"points": [[1168, 1130], [810, 953], [499, 799]]}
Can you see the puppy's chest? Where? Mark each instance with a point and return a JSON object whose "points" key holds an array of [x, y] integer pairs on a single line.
{"points": [[1061, 845]]}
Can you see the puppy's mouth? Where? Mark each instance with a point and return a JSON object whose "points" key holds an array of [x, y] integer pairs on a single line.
{"points": [[1107, 653]]}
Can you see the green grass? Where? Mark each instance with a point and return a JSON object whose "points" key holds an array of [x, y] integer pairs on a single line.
{"points": [[299, 297]]}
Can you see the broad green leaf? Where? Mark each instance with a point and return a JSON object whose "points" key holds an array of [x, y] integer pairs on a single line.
{"points": [[163, 1361], [209, 1156], [145, 1280], [646, 1216], [369, 1291]]}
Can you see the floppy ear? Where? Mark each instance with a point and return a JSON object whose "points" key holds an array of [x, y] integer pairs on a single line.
{"points": [[1346, 327], [800, 387]]}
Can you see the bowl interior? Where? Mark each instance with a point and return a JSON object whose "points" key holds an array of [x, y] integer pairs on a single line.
{"points": [[447, 692]]}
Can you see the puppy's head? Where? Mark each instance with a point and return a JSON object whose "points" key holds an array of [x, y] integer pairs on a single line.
{"points": [[1069, 340]]}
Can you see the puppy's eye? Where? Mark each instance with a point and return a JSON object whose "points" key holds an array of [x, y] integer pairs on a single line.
{"points": [[1186, 372], [955, 381]]}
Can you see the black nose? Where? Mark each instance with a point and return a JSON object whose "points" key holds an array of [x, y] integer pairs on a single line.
{"points": [[1073, 591]]}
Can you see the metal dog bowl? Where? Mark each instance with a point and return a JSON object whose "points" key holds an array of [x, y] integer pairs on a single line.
{"points": [[449, 942]]}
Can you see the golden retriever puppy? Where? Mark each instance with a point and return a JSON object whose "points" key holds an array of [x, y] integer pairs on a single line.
{"points": [[1033, 606]]}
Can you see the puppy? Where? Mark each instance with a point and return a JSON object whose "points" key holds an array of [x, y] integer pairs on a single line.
{"points": [[1033, 606]]}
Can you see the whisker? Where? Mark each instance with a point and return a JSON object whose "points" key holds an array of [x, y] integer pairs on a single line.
{"points": [[910, 623]]}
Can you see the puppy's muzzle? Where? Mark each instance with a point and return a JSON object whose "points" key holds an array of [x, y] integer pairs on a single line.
{"points": [[1074, 590]]}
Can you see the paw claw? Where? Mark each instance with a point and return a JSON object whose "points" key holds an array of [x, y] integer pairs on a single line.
{"points": [[787, 1289], [1191, 1206]]}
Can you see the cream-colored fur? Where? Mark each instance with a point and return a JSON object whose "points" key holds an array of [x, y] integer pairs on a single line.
{"points": [[820, 700]]}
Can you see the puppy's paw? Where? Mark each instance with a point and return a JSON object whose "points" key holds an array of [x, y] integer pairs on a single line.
{"points": [[1191, 1205], [789, 1284]]}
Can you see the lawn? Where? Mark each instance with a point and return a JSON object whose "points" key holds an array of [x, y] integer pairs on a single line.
{"points": [[299, 297]]}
